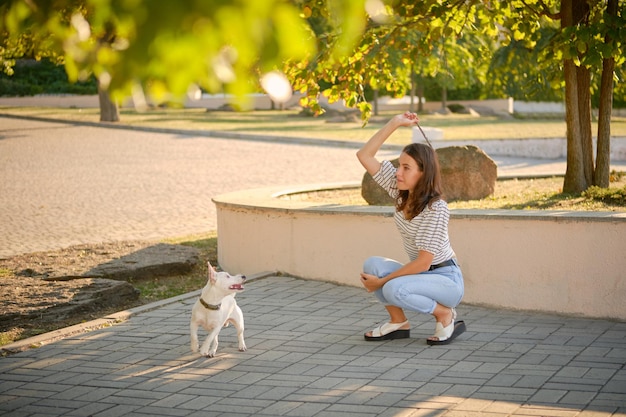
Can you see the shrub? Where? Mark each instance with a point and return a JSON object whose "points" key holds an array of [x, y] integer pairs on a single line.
{"points": [[616, 176], [32, 77], [611, 195], [456, 108]]}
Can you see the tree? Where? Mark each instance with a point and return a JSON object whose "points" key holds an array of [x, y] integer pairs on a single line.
{"points": [[526, 72], [158, 51], [408, 34], [590, 36], [590, 40]]}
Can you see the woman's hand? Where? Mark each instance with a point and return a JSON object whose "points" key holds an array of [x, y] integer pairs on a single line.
{"points": [[371, 282], [367, 154], [407, 119]]}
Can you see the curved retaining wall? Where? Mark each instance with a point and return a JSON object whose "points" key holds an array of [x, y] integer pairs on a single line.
{"points": [[559, 261]]}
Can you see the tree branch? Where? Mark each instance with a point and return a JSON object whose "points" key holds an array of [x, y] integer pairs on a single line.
{"points": [[543, 10]]}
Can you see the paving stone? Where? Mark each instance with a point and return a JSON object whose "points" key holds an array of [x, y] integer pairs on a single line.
{"points": [[577, 398], [141, 369], [159, 411], [548, 396]]}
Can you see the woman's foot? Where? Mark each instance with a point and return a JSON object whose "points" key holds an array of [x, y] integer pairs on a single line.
{"points": [[389, 331], [445, 317], [445, 333]]}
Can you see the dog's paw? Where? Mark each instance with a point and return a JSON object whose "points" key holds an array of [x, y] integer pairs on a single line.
{"points": [[207, 351], [194, 346], [207, 354], [242, 348]]}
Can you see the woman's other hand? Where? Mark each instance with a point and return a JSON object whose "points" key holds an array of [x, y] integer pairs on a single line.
{"points": [[371, 282]]}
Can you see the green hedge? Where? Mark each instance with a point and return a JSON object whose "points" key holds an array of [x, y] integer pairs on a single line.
{"points": [[32, 77]]}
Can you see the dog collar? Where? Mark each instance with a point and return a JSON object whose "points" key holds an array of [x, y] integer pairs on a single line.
{"points": [[210, 306]]}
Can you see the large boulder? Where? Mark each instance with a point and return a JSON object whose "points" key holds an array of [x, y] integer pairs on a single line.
{"points": [[374, 193], [467, 173]]}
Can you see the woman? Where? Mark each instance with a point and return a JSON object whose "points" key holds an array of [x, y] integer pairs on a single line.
{"points": [[431, 282]]}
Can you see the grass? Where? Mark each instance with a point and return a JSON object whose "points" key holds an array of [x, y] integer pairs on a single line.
{"points": [[514, 194], [292, 123]]}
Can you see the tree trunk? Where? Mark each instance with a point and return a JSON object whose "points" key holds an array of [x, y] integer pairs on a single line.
{"points": [[417, 90], [574, 181], [603, 151], [583, 78], [109, 111], [577, 112], [420, 96], [603, 158], [444, 100]]}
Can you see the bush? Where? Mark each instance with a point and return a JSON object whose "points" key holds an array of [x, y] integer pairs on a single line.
{"points": [[611, 195], [456, 108], [615, 176], [42, 77], [13, 88]]}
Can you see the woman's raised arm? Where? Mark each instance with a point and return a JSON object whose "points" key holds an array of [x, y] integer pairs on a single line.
{"points": [[367, 154]]}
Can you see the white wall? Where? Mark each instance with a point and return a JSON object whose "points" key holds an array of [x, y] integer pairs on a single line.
{"points": [[564, 262]]}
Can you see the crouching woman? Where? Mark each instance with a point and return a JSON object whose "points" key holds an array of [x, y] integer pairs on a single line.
{"points": [[431, 282]]}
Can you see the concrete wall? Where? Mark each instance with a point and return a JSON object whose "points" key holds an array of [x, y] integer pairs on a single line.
{"points": [[565, 262], [541, 148]]}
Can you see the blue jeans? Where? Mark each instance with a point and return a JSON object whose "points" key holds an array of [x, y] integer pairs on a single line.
{"points": [[418, 292]]}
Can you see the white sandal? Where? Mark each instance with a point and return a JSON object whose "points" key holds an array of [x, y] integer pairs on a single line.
{"points": [[389, 331], [447, 334]]}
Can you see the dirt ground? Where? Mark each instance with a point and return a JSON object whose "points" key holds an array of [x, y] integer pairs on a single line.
{"points": [[39, 292]]}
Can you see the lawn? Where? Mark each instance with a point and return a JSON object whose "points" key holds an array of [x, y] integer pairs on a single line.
{"points": [[513, 194], [293, 124]]}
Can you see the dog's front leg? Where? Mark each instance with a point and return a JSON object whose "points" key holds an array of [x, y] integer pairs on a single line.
{"points": [[209, 347], [193, 331], [238, 323], [242, 343]]}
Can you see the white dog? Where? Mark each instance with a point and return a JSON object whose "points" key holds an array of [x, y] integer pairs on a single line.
{"points": [[215, 309]]}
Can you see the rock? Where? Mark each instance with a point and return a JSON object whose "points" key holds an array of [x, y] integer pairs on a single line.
{"points": [[158, 260], [373, 193], [118, 260], [105, 260], [33, 299], [98, 293], [467, 174]]}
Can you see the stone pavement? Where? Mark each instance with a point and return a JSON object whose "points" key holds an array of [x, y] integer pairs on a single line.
{"points": [[306, 354], [307, 357]]}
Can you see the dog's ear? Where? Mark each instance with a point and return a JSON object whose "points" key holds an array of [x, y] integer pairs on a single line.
{"points": [[211, 272]]}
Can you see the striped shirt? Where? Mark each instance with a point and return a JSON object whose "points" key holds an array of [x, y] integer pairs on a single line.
{"points": [[428, 231]]}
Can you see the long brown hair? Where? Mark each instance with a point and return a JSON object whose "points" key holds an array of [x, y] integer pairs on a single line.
{"points": [[428, 188]]}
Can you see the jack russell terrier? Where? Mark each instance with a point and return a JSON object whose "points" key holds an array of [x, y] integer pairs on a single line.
{"points": [[215, 309]]}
